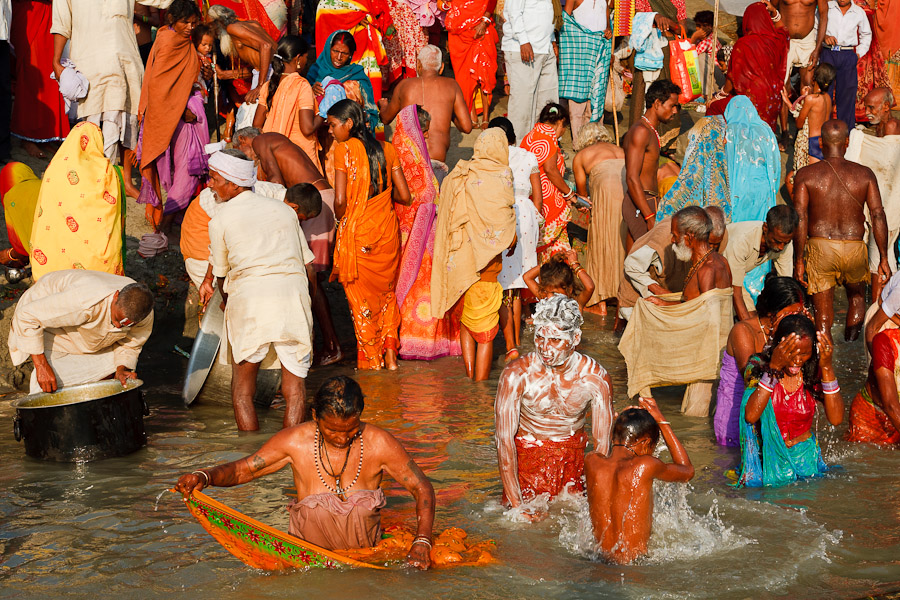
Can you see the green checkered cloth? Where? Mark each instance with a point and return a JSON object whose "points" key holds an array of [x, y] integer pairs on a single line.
{"points": [[584, 65]]}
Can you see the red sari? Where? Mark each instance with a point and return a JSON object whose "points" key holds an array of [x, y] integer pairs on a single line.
{"points": [[542, 142], [474, 59], [759, 63], [39, 112], [870, 71]]}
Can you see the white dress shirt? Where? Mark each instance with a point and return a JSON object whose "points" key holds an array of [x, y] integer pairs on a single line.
{"points": [[528, 22], [850, 29], [5, 18]]}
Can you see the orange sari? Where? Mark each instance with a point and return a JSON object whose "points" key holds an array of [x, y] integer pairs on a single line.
{"points": [[474, 59], [367, 254]]}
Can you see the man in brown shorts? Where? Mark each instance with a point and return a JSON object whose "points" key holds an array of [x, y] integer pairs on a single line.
{"points": [[642, 146], [829, 197]]}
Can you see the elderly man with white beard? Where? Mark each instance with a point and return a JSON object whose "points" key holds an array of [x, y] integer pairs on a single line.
{"points": [[263, 266], [540, 409]]}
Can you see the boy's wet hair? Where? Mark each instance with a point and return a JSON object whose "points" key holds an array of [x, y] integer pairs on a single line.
{"points": [[634, 424], [307, 198], [340, 397], [823, 75]]}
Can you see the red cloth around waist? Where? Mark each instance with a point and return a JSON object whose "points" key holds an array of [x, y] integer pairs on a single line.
{"points": [[550, 466]]}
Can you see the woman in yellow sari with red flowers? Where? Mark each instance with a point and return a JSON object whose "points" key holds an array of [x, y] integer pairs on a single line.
{"points": [[368, 179]]}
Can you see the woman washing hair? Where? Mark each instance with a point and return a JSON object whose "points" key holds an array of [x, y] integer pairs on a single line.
{"points": [[368, 179], [286, 101], [785, 381]]}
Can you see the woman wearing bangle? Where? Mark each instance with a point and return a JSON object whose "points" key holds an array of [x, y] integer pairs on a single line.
{"points": [[784, 382]]}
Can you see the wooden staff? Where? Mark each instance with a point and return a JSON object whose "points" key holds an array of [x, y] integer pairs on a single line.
{"points": [[612, 62], [711, 63], [216, 94]]}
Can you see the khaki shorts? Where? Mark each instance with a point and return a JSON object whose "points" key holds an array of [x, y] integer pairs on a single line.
{"points": [[833, 262]]}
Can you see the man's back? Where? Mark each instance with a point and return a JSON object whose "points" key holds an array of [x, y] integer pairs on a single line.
{"points": [[439, 96], [714, 273], [835, 192], [292, 162], [620, 499]]}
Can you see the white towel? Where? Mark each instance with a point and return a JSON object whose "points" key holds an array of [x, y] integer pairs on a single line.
{"points": [[882, 155], [73, 85]]}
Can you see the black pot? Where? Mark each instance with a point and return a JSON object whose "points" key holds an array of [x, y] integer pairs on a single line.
{"points": [[82, 422]]}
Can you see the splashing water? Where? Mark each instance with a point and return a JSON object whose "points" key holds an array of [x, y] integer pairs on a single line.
{"points": [[678, 531]]}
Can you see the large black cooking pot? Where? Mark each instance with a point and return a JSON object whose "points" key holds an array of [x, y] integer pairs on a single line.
{"points": [[82, 422]]}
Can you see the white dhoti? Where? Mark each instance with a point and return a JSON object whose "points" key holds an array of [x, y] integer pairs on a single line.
{"points": [[196, 270], [73, 369], [118, 127]]}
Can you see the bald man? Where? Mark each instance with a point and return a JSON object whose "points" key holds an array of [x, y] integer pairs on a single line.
{"points": [[878, 105], [829, 197], [440, 96]]}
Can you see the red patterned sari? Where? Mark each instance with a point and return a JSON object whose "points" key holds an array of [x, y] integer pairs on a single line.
{"points": [[542, 142], [870, 69], [474, 59], [422, 337]]}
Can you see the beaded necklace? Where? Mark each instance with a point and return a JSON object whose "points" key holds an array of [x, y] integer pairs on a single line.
{"points": [[338, 489]]}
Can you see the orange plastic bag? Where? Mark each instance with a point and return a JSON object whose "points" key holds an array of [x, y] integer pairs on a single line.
{"points": [[684, 70]]}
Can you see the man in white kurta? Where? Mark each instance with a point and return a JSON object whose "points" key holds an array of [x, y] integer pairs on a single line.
{"points": [[80, 326], [260, 257], [104, 48]]}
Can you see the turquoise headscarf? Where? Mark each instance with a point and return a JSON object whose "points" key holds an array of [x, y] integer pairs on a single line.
{"points": [[323, 67], [754, 162]]}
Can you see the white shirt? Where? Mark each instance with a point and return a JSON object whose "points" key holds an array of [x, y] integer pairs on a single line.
{"points": [[637, 269], [591, 14], [528, 22], [5, 18], [851, 29], [890, 296]]}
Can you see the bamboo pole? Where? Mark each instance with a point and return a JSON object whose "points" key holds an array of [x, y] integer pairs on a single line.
{"points": [[711, 63], [615, 112]]}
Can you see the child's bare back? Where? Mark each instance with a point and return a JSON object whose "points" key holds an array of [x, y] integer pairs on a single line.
{"points": [[620, 485]]}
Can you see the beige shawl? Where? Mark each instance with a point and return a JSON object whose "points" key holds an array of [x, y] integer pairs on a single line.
{"points": [[476, 220], [698, 329]]}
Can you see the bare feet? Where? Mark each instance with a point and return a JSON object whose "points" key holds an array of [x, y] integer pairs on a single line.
{"points": [[12, 259], [597, 309], [851, 332], [32, 149], [131, 190], [332, 357], [390, 360], [511, 355]]}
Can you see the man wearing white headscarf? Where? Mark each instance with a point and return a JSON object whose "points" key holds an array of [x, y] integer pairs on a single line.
{"points": [[264, 268]]}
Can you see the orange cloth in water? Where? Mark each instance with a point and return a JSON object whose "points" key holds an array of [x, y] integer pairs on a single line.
{"points": [[870, 424], [195, 232], [171, 72], [474, 59], [548, 467], [293, 95], [367, 254]]}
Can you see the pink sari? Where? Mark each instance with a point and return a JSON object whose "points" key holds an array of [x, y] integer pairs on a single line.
{"points": [[422, 337]]}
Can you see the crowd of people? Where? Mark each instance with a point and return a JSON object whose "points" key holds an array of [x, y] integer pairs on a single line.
{"points": [[718, 267]]}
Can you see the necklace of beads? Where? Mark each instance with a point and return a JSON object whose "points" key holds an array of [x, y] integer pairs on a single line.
{"points": [[338, 489]]}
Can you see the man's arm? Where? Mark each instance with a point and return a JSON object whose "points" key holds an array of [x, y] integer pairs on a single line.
{"points": [[264, 46], [635, 148], [865, 36], [461, 117], [637, 271], [602, 414], [397, 463], [61, 28], [268, 162], [506, 421], [801, 205], [879, 226], [388, 109], [273, 455], [738, 253], [822, 10], [514, 12], [682, 470]]}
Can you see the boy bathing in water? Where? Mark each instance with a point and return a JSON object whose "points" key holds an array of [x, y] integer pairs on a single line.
{"points": [[620, 485]]}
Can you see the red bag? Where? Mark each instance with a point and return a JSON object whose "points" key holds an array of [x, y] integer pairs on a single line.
{"points": [[683, 68]]}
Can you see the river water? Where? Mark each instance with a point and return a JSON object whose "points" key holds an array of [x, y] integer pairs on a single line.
{"points": [[109, 526]]}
